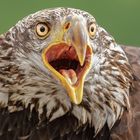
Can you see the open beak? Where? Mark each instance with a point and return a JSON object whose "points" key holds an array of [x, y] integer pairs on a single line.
{"points": [[70, 63]]}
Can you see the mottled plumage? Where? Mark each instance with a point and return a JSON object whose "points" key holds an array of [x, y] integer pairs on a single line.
{"points": [[34, 103]]}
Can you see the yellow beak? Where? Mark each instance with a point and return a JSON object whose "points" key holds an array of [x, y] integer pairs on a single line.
{"points": [[78, 37]]}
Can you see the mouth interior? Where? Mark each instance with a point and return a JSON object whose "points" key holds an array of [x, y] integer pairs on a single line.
{"points": [[66, 64], [63, 59]]}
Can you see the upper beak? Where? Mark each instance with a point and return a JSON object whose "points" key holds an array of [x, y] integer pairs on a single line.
{"points": [[78, 36]]}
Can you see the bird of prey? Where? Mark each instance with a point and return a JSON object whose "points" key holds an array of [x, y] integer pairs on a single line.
{"points": [[63, 77]]}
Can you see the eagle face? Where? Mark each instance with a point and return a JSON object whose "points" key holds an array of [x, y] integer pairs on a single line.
{"points": [[61, 62]]}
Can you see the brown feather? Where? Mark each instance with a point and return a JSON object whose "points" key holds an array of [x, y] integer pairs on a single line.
{"points": [[129, 126]]}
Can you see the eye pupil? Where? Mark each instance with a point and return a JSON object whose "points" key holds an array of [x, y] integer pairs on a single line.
{"points": [[42, 29], [92, 29]]}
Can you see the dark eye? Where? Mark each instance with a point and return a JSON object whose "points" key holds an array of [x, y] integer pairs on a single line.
{"points": [[92, 30], [42, 29]]}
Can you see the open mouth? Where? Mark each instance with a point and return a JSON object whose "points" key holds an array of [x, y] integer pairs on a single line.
{"points": [[62, 60]]}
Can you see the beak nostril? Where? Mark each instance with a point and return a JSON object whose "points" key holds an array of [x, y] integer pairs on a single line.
{"points": [[67, 25]]}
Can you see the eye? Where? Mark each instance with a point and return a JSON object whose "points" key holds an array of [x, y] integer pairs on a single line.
{"points": [[42, 29], [92, 30]]}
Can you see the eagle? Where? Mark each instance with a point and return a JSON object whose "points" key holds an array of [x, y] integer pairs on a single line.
{"points": [[63, 77]]}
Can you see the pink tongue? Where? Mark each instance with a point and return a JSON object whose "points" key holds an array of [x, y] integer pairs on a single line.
{"points": [[70, 75]]}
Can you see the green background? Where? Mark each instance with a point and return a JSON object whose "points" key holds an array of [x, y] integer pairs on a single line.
{"points": [[121, 18]]}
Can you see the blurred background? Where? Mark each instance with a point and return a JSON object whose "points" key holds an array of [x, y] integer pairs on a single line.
{"points": [[121, 18]]}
